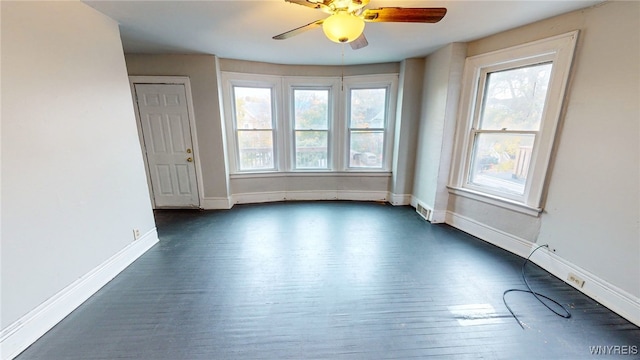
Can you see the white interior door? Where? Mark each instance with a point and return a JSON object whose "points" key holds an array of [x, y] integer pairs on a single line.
{"points": [[166, 131]]}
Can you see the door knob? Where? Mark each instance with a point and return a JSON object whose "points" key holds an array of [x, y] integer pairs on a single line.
{"points": [[188, 151], [189, 160]]}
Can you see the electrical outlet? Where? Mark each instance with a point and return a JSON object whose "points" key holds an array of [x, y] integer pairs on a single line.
{"points": [[575, 280], [136, 234]]}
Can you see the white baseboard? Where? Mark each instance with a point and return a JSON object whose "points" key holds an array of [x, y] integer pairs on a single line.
{"points": [[607, 294], [414, 201], [16, 337], [216, 203], [363, 195], [311, 195], [263, 197], [489, 234], [400, 199], [438, 216]]}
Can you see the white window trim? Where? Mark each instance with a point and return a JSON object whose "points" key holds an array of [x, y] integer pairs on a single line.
{"points": [[390, 82], [558, 49], [282, 90], [313, 83], [229, 81]]}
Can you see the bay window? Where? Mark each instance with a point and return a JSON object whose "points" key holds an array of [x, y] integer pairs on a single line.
{"points": [[308, 124]]}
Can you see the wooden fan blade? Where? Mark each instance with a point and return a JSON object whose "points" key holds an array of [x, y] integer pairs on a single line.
{"points": [[359, 43], [394, 14], [314, 25]]}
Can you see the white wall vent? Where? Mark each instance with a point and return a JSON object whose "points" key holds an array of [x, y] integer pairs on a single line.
{"points": [[423, 211]]}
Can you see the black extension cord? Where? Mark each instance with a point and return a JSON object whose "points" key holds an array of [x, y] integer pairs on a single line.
{"points": [[538, 296]]}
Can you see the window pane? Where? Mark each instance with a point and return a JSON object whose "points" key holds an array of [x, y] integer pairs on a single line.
{"points": [[366, 149], [311, 109], [253, 108], [311, 149], [256, 149], [514, 99], [501, 161], [368, 108]]}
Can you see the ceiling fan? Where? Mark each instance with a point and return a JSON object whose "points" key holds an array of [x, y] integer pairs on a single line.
{"points": [[346, 23]]}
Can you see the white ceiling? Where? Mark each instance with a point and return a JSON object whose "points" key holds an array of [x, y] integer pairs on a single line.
{"points": [[242, 29]]}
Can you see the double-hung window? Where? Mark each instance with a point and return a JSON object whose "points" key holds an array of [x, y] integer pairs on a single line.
{"points": [[311, 123], [511, 105], [507, 126], [367, 126], [252, 113]]}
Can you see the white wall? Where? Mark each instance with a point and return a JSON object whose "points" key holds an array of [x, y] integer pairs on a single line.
{"points": [[73, 181], [406, 131], [592, 212], [441, 83]]}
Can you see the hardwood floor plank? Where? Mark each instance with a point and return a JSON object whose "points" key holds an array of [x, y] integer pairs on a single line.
{"points": [[326, 280]]}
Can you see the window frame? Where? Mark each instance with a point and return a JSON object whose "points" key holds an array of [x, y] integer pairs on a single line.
{"points": [[557, 50], [332, 84], [295, 130], [475, 130], [240, 80], [390, 84]]}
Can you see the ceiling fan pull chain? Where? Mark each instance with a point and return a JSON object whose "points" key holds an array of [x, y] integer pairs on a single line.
{"points": [[342, 71]]}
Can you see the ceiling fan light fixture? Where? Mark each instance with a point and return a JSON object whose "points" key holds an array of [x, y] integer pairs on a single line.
{"points": [[343, 27]]}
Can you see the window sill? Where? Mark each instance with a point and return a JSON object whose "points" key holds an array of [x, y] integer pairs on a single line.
{"points": [[495, 200], [314, 173]]}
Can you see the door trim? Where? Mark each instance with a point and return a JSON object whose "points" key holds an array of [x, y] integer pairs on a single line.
{"points": [[169, 80]]}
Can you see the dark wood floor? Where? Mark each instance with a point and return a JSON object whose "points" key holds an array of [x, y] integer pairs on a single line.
{"points": [[326, 280]]}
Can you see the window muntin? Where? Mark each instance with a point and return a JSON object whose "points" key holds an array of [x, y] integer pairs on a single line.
{"points": [[513, 102], [311, 109], [367, 127], [254, 125]]}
